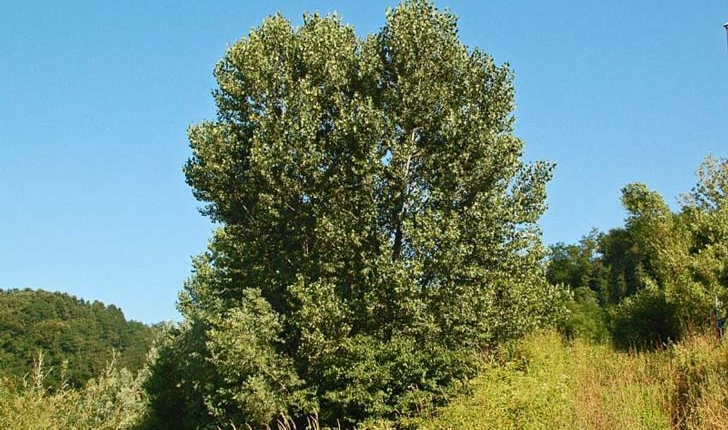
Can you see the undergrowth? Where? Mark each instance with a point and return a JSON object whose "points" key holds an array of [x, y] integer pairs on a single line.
{"points": [[540, 382], [545, 382], [112, 401]]}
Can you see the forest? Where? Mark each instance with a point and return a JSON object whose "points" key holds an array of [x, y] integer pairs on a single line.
{"points": [[377, 264], [76, 338]]}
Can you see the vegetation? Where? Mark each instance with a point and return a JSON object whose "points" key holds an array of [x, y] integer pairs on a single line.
{"points": [[77, 338], [657, 277], [540, 382], [378, 265], [377, 227], [114, 400], [544, 382]]}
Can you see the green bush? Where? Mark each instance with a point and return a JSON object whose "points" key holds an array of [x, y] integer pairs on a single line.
{"points": [[646, 320], [586, 319], [114, 400]]}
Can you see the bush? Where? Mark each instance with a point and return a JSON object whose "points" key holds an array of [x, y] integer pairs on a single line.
{"points": [[586, 319], [112, 401], [646, 320]]}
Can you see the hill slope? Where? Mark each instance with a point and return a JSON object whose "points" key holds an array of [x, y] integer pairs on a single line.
{"points": [[77, 338]]}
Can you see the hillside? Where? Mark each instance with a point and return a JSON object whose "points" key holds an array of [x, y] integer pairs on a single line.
{"points": [[77, 338]]}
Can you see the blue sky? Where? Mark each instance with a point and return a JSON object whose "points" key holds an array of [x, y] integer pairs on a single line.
{"points": [[97, 96]]}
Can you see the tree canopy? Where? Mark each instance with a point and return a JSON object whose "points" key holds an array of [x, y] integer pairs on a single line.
{"points": [[377, 226], [78, 339], [661, 272]]}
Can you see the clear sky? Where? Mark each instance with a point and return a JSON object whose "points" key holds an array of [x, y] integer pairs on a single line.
{"points": [[96, 97]]}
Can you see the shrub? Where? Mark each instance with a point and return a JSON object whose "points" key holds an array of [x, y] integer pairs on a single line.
{"points": [[645, 320]]}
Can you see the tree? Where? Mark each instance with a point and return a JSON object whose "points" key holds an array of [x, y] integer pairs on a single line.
{"points": [[625, 265], [377, 224], [580, 268], [685, 257], [578, 265]]}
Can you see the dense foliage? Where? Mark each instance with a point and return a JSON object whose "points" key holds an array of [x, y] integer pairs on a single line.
{"points": [[76, 338], [377, 226], [660, 274]]}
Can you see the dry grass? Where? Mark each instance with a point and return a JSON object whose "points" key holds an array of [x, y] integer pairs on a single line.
{"points": [[545, 383], [113, 401]]}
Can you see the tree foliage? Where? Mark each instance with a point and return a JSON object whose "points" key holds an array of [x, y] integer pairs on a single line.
{"points": [[77, 338], [687, 250], [377, 225], [661, 272]]}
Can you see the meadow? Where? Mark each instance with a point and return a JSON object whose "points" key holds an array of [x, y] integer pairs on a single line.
{"points": [[546, 382]]}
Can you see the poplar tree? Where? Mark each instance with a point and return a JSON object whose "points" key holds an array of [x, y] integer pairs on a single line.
{"points": [[377, 226]]}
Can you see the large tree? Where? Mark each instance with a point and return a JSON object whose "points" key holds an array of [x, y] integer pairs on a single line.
{"points": [[376, 225]]}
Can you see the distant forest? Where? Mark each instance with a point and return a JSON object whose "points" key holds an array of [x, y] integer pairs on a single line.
{"points": [[77, 338]]}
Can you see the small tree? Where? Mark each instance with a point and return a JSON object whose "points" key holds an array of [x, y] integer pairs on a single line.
{"points": [[377, 224]]}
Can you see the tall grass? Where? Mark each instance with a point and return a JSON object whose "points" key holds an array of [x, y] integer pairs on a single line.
{"points": [[544, 382], [540, 382], [114, 400]]}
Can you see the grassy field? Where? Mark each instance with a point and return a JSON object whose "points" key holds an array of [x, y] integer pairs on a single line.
{"points": [[543, 382]]}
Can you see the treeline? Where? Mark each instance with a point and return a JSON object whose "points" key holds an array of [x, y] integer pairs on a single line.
{"points": [[658, 276], [77, 339]]}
